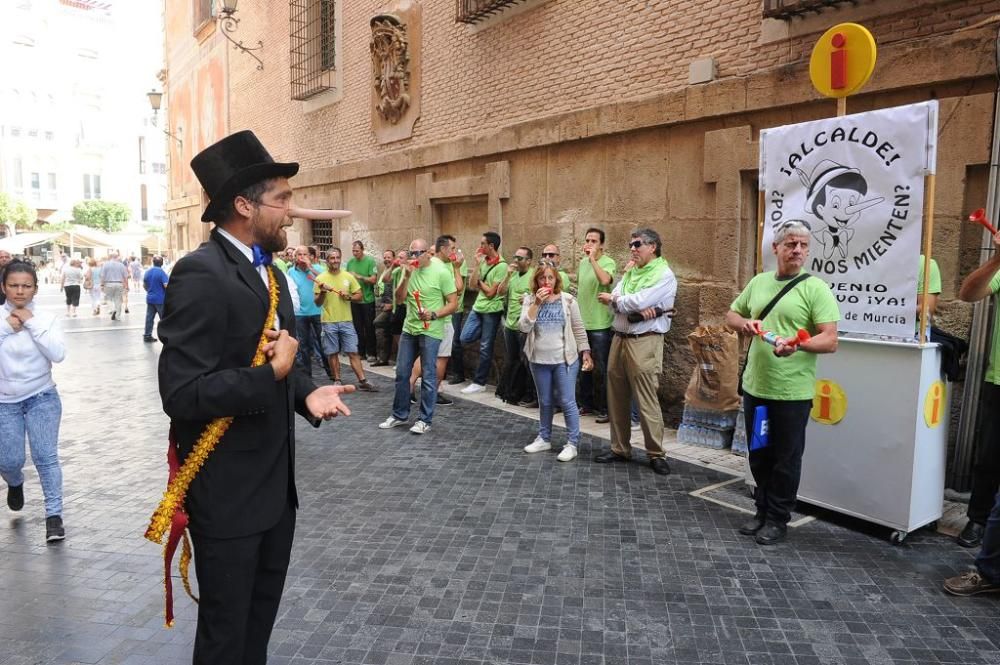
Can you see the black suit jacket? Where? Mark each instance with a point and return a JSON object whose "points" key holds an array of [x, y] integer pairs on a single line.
{"points": [[214, 312]]}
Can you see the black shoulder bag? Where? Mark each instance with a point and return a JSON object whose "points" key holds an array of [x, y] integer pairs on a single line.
{"points": [[763, 315]]}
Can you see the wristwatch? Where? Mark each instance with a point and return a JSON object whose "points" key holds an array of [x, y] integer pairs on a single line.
{"points": [[434, 316]]}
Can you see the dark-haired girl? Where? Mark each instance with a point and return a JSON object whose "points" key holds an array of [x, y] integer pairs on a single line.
{"points": [[30, 341]]}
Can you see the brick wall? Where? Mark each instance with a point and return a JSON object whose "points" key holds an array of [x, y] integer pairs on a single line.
{"points": [[562, 56]]}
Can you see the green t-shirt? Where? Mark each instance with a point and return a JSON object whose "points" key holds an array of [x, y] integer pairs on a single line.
{"points": [[335, 308], [934, 283], [491, 276], [282, 265], [434, 283], [811, 302], [517, 286], [595, 315], [993, 367], [365, 267]]}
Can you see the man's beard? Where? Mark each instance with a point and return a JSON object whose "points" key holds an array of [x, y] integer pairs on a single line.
{"points": [[269, 241]]}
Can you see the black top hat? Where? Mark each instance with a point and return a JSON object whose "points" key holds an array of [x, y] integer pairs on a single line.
{"points": [[231, 165]]}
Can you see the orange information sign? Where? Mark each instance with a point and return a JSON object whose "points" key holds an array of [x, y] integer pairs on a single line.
{"points": [[829, 402], [934, 404], [842, 60]]}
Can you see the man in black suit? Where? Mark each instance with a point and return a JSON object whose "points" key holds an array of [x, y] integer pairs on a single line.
{"points": [[242, 502]]}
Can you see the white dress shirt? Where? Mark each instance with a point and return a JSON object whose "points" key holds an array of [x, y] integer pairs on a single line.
{"points": [[261, 270]]}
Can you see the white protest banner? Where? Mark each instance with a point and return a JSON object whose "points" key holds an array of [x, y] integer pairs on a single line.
{"points": [[857, 182]]}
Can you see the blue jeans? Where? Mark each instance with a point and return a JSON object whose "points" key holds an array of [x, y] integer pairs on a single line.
{"points": [[409, 347], [550, 380], [594, 396], [308, 332], [457, 362], [36, 418], [988, 559], [482, 326], [151, 311]]}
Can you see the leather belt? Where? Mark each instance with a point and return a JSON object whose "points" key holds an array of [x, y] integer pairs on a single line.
{"points": [[637, 335]]}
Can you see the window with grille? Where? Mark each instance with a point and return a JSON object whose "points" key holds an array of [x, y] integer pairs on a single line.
{"points": [[786, 9], [312, 25], [474, 11], [322, 233]]}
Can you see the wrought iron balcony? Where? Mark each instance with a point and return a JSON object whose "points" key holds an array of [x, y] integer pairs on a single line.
{"points": [[473, 11], [786, 9]]}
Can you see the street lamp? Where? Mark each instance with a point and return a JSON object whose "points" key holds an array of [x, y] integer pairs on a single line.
{"points": [[155, 99], [229, 23]]}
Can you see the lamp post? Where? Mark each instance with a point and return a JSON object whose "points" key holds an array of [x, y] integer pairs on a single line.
{"points": [[229, 23], [155, 99]]}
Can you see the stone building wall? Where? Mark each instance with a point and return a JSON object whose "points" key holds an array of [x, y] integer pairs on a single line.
{"points": [[577, 113]]}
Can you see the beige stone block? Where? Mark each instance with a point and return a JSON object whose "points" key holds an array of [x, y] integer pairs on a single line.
{"points": [[576, 186], [636, 176], [713, 99]]}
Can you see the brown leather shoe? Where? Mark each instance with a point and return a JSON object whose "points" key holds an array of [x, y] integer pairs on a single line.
{"points": [[969, 584]]}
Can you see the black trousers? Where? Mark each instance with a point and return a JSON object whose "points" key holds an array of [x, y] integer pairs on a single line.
{"points": [[986, 472], [777, 467], [240, 581], [363, 317], [516, 382]]}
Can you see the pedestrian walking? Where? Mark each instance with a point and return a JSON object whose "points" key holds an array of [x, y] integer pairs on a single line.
{"points": [[92, 285], [72, 281], [114, 281], [155, 283], [30, 408]]}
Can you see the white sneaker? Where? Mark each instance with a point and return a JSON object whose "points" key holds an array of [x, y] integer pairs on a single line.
{"points": [[568, 453], [391, 422], [473, 388], [538, 445], [636, 427], [420, 427]]}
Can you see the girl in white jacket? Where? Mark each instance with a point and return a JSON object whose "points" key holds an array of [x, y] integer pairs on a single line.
{"points": [[30, 341]]}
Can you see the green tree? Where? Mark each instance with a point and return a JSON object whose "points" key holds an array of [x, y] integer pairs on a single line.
{"points": [[108, 216], [17, 211]]}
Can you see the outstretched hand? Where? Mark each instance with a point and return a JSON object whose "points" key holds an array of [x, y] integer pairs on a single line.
{"points": [[325, 402]]}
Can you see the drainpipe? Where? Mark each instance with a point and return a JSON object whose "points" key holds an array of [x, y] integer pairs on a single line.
{"points": [[979, 335]]}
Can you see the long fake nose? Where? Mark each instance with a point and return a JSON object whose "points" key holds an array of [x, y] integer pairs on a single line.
{"points": [[863, 205]]}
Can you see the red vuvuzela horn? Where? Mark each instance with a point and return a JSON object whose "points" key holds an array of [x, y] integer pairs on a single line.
{"points": [[979, 217]]}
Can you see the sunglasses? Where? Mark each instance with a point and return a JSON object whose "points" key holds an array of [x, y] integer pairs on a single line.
{"points": [[549, 255], [414, 253], [636, 244], [520, 258]]}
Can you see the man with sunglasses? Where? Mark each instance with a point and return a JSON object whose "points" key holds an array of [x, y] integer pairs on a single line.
{"points": [[482, 323], [516, 386], [636, 357], [430, 293], [550, 254], [782, 378]]}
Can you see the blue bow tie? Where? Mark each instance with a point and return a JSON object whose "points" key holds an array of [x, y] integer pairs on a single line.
{"points": [[260, 257]]}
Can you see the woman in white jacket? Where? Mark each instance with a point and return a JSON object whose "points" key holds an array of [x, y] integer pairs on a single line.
{"points": [[30, 341], [555, 341]]}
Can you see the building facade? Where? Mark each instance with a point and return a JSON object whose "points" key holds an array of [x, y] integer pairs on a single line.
{"points": [[542, 118], [74, 121]]}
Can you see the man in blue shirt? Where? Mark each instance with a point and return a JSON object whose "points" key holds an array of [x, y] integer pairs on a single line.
{"points": [[308, 330], [155, 283]]}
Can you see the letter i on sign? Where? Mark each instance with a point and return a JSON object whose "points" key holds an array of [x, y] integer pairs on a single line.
{"points": [[824, 402], [936, 408], [838, 62]]}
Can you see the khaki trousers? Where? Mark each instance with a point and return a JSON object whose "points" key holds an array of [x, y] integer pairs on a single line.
{"points": [[114, 291], [634, 367]]}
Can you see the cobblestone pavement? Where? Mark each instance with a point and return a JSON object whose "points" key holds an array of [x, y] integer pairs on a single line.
{"points": [[455, 547]]}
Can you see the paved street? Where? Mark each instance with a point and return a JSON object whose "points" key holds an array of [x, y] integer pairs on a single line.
{"points": [[456, 547]]}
